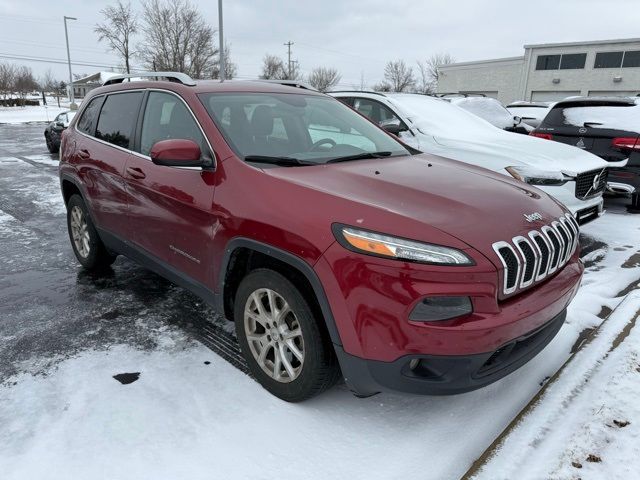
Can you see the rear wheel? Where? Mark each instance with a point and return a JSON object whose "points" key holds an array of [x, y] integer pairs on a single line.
{"points": [[286, 350], [52, 146], [87, 246]]}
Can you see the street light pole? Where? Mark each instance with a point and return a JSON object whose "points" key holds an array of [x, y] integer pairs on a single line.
{"points": [[66, 35], [222, 59]]}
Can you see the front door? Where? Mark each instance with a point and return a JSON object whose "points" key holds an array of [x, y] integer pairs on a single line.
{"points": [[170, 207]]}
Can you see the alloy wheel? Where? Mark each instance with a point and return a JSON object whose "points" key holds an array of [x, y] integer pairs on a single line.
{"points": [[80, 231], [274, 335]]}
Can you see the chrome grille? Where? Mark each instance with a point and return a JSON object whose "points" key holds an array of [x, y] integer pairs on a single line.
{"points": [[530, 259], [584, 183]]}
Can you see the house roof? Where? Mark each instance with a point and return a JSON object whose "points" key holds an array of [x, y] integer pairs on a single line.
{"points": [[99, 77]]}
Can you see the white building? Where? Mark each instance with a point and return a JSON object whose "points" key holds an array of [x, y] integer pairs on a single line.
{"points": [[551, 71], [84, 85]]}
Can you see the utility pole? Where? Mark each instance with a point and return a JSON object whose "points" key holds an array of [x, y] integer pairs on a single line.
{"points": [[72, 106], [288, 45], [222, 52]]}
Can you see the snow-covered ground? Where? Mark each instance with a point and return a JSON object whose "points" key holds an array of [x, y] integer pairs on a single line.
{"points": [[192, 415], [33, 114]]}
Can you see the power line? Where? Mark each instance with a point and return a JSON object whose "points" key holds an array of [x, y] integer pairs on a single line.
{"points": [[25, 58]]}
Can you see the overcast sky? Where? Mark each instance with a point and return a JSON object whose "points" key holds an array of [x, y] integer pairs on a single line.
{"points": [[355, 36]]}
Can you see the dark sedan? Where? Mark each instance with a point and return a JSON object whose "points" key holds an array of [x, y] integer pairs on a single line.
{"points": [[54, 130]]}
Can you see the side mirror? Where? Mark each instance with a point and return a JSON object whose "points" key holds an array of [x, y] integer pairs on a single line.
{"points": [[60, 124], [395, 129], [176, 153], [517, 120]]}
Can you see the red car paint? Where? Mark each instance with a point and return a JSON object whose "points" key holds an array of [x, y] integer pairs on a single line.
{"points": [[421, 197]]}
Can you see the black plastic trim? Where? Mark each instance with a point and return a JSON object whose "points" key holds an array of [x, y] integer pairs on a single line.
{"points": [[290, 259]]}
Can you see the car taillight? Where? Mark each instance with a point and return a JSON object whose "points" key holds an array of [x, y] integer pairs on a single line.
{"points": [[546, 136], [626, 143]]}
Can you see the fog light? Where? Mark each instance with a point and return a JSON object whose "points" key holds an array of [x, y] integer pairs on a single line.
{"points": [[434, 309]]}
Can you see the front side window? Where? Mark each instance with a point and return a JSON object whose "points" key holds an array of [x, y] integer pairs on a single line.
{"points": [[608, 60], [311, 129], [376, 112], [166, 117], [87, 123], [118, 117]]}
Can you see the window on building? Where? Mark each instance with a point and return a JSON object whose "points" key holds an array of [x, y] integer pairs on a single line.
{"points": [[573, 61], [548, 62], [631, 59], [608, 60]]}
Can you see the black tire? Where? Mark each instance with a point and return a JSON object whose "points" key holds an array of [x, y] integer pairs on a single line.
{"points": [[319, 371], [96, 257], [52, 146]]}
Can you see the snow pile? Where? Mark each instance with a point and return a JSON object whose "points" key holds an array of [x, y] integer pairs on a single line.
{"points": [[488, 108], [29, 114]]}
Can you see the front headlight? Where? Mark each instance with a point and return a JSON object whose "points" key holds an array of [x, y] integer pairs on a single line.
{"points": [[379, 245], [534, 176]]}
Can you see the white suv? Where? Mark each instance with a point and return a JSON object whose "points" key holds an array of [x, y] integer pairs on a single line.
{"points": [[574, 177]]}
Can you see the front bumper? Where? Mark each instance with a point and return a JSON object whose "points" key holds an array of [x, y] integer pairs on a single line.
{"points": [[583, 210], [446, 375]]}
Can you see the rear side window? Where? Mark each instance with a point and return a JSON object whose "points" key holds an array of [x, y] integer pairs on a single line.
{"points": [[118, 117], [87, 122], [166, 117]]}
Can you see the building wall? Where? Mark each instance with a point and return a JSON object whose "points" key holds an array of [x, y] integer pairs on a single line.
{"points": [[495, 78], [516, 78], [584, 81]]}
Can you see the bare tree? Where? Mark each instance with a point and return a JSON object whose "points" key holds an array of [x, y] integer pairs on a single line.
{"points": [[324, 78], [272, 67], [49, 84], [121, 23], [7, 78], [430, 73], [177, 38], [230, 68], [398, 76], [24, 82]]}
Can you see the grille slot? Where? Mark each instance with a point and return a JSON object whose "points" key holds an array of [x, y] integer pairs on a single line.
{"points": [[584, 183], [531, 258]]}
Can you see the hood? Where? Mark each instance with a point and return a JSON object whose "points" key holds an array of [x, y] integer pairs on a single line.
{"points": [[503, 149], [414, 196]]}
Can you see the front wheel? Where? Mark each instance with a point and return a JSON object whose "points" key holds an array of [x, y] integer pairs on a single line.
{"points": [[281, 340], [52, 146], [86, 244]]}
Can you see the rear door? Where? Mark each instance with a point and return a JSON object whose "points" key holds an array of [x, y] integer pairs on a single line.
{"points": [[107, 126], [170, 207]]}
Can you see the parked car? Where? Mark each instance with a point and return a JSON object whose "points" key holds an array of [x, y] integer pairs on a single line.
{"points": [[492, 111], [54, 130], [606, 127], [336, 249], [574, 177], [531, 113]]}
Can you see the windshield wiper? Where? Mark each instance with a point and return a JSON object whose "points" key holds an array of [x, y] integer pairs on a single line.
{"points": [[282, 161], [360, 156]]}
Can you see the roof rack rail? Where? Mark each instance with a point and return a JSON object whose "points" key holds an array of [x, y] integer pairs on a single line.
{"points": [[288, 83], [382, 94], [176, 77]]}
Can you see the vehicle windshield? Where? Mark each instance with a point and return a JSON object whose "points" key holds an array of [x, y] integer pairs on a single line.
{"points": [[439, 118], [296, 129], [488, 108], [615, 116], [528, 111]]}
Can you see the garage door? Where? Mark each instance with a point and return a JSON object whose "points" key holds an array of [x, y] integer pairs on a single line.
{"points": [[552, 96], [612, 93]]}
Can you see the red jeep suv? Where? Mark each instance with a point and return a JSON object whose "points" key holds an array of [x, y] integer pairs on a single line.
{"points": [[338, 251]]}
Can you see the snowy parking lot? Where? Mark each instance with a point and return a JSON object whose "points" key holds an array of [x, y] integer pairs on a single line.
{"points": [[190, 411]]}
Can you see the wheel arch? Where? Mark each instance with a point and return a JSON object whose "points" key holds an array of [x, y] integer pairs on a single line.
{"points": [[243, 255]]}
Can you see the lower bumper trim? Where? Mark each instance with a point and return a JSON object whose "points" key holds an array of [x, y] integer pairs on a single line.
{"points": [[445, 375]]}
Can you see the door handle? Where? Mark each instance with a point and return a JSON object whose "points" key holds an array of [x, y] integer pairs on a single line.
{"points": [[84, 153], [135, 172]]}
